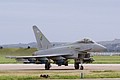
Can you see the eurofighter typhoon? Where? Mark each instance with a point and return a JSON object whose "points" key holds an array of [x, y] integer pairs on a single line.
{"points": [[78, 51]]}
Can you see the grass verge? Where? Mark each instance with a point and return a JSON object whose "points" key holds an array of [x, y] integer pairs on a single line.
{"points": [[35, 75]]}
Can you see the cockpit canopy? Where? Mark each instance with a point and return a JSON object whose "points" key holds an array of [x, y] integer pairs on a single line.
{"points": [[85, 40]]}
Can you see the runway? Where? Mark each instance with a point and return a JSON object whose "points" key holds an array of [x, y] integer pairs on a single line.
{"points": [[37, 69], [115, 67]]}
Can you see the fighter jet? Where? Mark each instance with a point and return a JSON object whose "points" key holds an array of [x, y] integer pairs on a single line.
{"points": [[79, 51]]}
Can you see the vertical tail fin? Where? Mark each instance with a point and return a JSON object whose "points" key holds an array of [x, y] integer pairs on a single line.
{"points": [[42, 41]]}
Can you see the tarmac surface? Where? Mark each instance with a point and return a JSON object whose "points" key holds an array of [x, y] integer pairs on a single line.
{"points": [[70, 68], [115, 67]]}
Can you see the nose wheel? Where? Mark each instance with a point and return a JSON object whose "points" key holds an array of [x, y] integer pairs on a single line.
{"points": [[76, 65], [81, 67]]}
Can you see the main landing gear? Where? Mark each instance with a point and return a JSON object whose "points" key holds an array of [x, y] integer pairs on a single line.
{"points": [[47, 65], [76, 65]]}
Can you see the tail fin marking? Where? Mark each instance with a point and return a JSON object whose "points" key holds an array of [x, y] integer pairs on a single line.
{"points": [[42, 41]]}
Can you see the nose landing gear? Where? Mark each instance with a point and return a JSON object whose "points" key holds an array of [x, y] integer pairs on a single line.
{"points": [[77, 62]]}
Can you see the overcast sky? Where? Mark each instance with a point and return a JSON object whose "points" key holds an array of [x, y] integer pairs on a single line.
{"points": [[59, 20]]}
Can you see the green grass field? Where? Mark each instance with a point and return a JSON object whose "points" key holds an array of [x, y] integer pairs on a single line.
{"points": [[27, 52], [14, 52], [53, 74], [106, 59]]}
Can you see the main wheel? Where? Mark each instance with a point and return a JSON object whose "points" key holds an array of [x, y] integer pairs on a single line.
{"points": [[66, 63], [47, 66], [81, 67], [76, 65]]}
